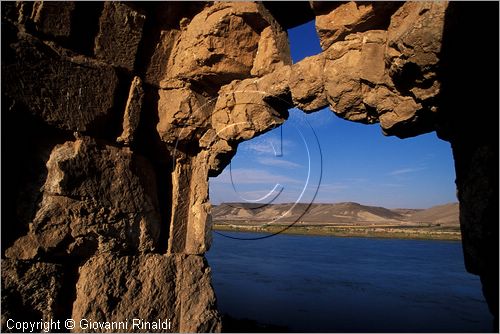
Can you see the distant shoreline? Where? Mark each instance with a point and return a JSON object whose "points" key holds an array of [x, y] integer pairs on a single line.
{"points": [[420, 233], [345, 219]]}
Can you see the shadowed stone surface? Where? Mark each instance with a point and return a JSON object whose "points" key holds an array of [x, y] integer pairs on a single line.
{"points": [[120, 32], [69, 93]]}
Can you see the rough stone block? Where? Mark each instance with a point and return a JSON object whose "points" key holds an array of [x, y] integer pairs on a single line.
{"points": [[218, 45], [132, 113], [247, 108], [70, 94], [351, 17], [158, 63], [96, 198], [414, 40], [31, 291], [53, 17], [181, 113], [120, 32], [352, 69], [174, 288], [307, 83], [272, 53]]}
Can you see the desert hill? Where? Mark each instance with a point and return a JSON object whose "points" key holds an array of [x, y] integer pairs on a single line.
{"points": [[446, 214], [335, 213]]}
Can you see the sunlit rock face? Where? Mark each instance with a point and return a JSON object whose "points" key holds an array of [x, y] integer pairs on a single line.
{"points": [[115, 114]]}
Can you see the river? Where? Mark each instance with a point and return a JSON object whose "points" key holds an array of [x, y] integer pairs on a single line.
{"points": [[332, 284]]}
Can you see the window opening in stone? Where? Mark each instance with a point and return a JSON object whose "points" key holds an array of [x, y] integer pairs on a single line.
{"points": [[316, 277]]}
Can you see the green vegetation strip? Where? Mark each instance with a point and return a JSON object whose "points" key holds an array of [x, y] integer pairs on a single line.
{"points": [[395, 233]]}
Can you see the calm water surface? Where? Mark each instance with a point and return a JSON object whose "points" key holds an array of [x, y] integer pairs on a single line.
{"points": [[311, 283]]}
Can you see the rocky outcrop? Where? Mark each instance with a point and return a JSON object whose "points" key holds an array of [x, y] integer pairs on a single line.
{"points": [[33, 290], [95, 197], [132, 114], [52, 18], [147, 287], [386, 76], [335, 24], [228, 41], [120, 32], [122, 122], [70, 92]]}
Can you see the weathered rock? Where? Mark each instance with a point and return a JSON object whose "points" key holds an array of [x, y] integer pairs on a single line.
{"points": [[219, 44], [273, 52], [190, 226], [342, 79], [337, 24], [247, 108], [472, 182], [160, 34], [414, 41], [307, 83], [199, 238], [392, 109], [96, 197], [476, 170], [53, 18], [31, 291], [359, 88], [181, 176], [352, 17], [220, 152], [350, 66], [413, 46], [67, 93], [197, 314], [148, 287], [100, 171], [181, 112], [120, 32], [132, 113], [157, 67], [372, 69]]}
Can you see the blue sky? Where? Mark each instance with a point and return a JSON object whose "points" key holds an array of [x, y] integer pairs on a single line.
{"points": [[322, 158]]}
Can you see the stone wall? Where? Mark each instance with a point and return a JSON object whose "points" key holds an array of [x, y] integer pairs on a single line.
{"points": [[115, 114]]}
